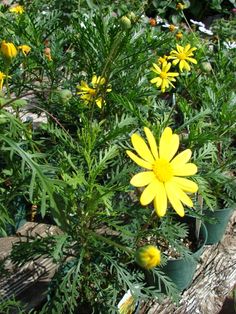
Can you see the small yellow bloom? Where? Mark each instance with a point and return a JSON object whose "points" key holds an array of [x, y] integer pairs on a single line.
{"points": [[162, 59], [2, 77], [18, 9], [179, 35], [94, 93], [183, 55], [163, 179], [25, 49], [180, 6], [148, 256], [164, 77], [8, 49], [172, 28]]}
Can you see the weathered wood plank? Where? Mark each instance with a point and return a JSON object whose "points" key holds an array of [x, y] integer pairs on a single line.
{"points": [[23, 279], [213, 281]]}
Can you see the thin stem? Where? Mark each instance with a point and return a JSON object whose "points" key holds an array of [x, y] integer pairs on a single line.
{"points": [[110, 242], [172, 109]]}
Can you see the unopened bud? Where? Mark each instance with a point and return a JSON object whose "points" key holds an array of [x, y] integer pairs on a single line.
{"points": [[125, 22], [148, 256]]}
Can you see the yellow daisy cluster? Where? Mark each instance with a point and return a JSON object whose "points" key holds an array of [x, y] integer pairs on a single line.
{"points": [[95, 92], [181, 56], [163, 179]]}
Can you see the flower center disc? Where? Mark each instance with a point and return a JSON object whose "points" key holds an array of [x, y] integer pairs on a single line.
{"points": [[182, 56], [162, 170], [163, 75]]}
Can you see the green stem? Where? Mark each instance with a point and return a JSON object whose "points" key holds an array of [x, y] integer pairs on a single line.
{"points": [[172, 109], [110, 242], [7, 83]]}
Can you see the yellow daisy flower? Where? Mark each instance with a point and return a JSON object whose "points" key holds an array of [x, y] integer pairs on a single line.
{"points": [[183, 55], [17, 9], [163, 180], [91, 94], [164, 77], [25, 49]]}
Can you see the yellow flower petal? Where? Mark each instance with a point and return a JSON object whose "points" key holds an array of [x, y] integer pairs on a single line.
{"points": [[181, 65], [186, 48], [94, 80], [142, 163], [180, 49], [156, 68], [185, 184], [141, 148], [186, 170], [182, 196], [160, 200], [99, 102], [149, 193], [186, 65], [156, 80], [164, 140], [192, 60], [169, 144], [152, 142], [142, 178], [175, 202], [175, 62], [181, 159]]}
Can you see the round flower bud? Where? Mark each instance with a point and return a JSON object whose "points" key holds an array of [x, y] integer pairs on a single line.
{"points": [[125, 22], [65, 95], [132, 16], [206, 66], [148, 256], [8, 49]]}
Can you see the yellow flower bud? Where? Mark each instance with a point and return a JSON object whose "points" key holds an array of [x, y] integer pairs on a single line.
{"points": [[8, 49], [148, 256], [179, 35], [180, 6]]}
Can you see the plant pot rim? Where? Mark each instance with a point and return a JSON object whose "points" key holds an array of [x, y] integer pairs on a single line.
{"points": [[197, 251], [222, 209]]}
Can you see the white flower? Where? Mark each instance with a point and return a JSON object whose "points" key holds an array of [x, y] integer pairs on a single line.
{"points": [[205, 30], [229, 45], [159, 20], [197, 23], [167, 25]]}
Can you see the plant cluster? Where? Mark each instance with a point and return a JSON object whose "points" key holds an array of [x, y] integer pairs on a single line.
{"points": [[79, 82]]}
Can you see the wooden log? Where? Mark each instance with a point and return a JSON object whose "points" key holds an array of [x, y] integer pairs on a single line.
{"points": [[214, 280]]}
